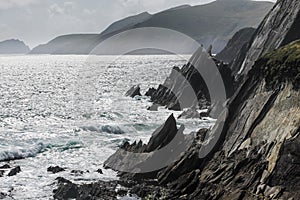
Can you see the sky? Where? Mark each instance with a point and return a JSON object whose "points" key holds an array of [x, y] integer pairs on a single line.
{"points": [[38, 21]]}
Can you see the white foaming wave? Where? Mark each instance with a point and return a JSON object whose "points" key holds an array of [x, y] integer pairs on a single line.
{"points": [[21, 153], [111, 129]]}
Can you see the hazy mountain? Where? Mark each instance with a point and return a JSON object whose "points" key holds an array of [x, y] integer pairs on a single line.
{"points": [[68, 44], [214, 23], [13, 47]]}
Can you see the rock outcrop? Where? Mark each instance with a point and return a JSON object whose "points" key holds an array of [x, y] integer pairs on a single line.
{"points": [[100, 190], [55, 169], [257, 156], [134, 91], [280, 27], [235, 44], [14, 171], [189, 86]]}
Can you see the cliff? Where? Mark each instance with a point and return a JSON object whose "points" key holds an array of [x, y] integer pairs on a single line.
{"points": [[257, 156], [252, 152], [13, 47]]}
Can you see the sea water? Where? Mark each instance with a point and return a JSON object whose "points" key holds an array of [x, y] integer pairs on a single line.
{"points": [[70, 111]]}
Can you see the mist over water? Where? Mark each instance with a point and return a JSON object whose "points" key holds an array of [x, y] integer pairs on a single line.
{"points": [[71, 111]]}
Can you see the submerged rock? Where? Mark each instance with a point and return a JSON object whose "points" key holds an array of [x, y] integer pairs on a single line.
{"points": [[154, 107], [6, 166], [134, 91], [55, 169], [190, 114], [14, 171]]}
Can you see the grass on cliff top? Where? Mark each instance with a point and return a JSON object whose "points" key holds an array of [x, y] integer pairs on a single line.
{"points": [[281, 65]]}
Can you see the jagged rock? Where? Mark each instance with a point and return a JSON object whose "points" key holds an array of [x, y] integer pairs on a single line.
{"points": [[99, 190], [190, 114], [3, 195], [160, 138], [280, 27], [259, 153], [55, 169], [163, 135], [154, 107], [14, 171], [134, 91], [99, 171], [235, 44], [6, 166], [150, 92], [186, 87], [77, 172]]}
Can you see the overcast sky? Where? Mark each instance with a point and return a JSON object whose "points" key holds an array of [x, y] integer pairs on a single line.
{"points": [[38, 21]]}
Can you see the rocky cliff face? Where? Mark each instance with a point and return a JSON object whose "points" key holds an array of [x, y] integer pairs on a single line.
{"points": [[280, 27], [258, 155], [235, 44]]}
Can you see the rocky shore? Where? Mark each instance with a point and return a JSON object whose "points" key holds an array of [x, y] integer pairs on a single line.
{"points": [[256, 139]]}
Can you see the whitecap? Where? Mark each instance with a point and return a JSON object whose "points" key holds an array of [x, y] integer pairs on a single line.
{"points": [[15, 153]]}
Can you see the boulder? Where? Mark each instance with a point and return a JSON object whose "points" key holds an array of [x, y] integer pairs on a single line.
{"points": [[154, 107], [134, 91], [191, 113], [55, 169], [6, 166], [14, 171], [99, 190]]}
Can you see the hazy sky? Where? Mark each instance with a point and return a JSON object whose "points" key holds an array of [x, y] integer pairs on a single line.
{"points": [[38, 21]]}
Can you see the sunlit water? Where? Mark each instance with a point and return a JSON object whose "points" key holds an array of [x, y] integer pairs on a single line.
{"points": [[71, 111]]}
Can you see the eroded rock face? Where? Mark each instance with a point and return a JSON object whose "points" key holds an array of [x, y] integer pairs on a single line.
{"points": [[189, 86], [165, 146], [280, 27], [235, 44], [258, 157]]}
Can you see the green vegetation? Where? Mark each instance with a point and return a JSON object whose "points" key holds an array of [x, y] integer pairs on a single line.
{"points": [[281, 65]]}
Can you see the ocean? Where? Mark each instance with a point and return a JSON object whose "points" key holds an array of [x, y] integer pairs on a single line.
{"points": [[71, 111]]}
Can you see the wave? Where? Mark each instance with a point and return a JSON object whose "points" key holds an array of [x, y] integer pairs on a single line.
{"points": [[104, 129], [21, 153]]}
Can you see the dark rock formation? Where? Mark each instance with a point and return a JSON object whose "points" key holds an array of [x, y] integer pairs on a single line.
{"points": [[100, 190], [190, 114], [186, 87], [165, 146], [134, 91], [14, 171], [235, 44], [100, 171], [55, 169], [13, 47], [2, 195], [1, 173], [154, 107], [280, 27], [258, 157], [6, 166]]}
